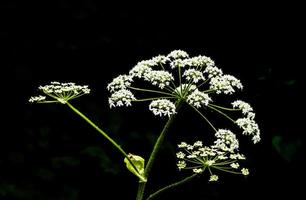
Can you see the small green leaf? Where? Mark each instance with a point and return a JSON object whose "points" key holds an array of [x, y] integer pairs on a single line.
{"points": [[139, 164]]}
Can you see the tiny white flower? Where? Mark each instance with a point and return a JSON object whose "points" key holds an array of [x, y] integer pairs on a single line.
{"points": [[181, 164], [197, 99], [245, 171], [198, 144], [197, 170], [237, 156], [182, 145], [180, 155], [251, 115], [213, 178], [256, 138], [162, 107], [235, 165]]}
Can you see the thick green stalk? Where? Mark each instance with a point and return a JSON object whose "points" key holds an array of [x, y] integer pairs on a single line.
{"points": [[173, 185], [157, 146], [104, 134]]}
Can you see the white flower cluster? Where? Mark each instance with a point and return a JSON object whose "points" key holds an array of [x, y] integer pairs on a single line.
{"points": [[121, 98], [193, 75], [159, 78], [60, 92], [39, 98], [179, 63], [213, 71], [200, 61], [218, 157], [226, 140], [119, 83], [248, 124], [177, 77], [198, 98], [162, 107], [142, 68], [250, 127], [245, 107], [178, 54], [160, 59], [225, 84]]}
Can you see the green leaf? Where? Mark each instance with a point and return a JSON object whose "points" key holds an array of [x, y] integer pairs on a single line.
{"points": [[139, 164]]}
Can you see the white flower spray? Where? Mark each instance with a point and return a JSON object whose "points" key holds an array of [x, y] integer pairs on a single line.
{"points": [[170, 81]]}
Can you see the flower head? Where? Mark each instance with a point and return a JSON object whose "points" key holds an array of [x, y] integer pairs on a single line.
{"points": [[162, 107], [119, 83], [221, 156], [160, 78], [245, 107], [178, 54], [213, 178], [193, 75], [249, 127], [121, 98], [198, 99], [177, 77], [225, 84], [190, 74], [60, 92]]}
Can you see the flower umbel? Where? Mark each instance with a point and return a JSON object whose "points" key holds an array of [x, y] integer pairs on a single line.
{"points": [[178, 77], [60, 92], [222, 156]]}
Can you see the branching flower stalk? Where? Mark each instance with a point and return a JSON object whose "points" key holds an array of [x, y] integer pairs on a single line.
{"points": [[62, 93], [168, 82]]}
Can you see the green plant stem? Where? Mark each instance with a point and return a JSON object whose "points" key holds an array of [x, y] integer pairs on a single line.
{"points": [[173, 185], [104, 134], [224, 108], [157, 146], [222, 113], [212, 126], [152, 91]]}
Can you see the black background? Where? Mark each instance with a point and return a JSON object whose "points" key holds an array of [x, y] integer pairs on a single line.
{"points": [[49, 153]]}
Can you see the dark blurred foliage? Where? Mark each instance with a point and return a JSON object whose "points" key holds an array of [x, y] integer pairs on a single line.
{"points": [[47, 152]]}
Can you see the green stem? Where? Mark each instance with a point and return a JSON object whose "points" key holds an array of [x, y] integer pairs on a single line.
{"points": [[153, 98], [104, 134], [157, 146], [153, 91], [140, 192], [203, 82], [162, 190], [222, 113], [224, 108], [212, 126]]}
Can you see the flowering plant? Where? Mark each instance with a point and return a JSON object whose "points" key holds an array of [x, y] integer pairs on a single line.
{"points": [[171, 82]]}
